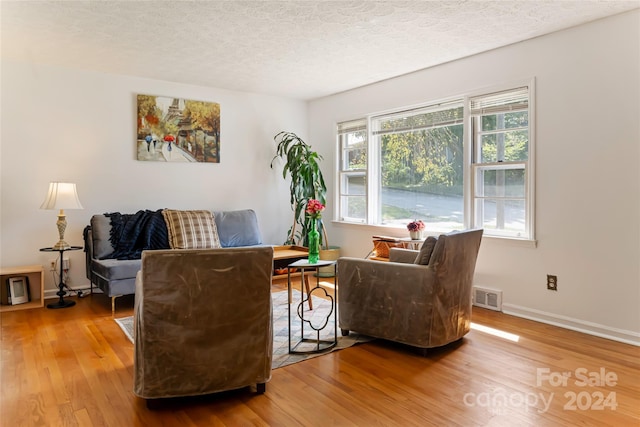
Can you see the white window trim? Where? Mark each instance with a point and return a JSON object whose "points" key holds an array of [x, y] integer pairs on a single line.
{"points": [[531, 178], [373, 174]]}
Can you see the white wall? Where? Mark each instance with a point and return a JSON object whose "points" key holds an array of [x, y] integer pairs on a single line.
{"points": [[69, 125], [587, 164]]}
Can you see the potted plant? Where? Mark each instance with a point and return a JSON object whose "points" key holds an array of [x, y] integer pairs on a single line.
{"points": [[307, 183], [415, 229]]}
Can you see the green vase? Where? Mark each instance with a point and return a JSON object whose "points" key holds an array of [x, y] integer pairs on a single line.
{"points": [[314, 242]]}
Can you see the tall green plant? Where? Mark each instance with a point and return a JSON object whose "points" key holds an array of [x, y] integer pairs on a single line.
{"points": [[307, 182]]}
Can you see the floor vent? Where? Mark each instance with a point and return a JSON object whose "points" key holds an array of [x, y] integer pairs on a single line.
{"points": [[487, 298]]}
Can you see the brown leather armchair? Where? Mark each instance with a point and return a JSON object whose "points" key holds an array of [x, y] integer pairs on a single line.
{"points": [[203, 321], [420, 305]]}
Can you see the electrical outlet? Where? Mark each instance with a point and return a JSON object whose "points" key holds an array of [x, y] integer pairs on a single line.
{"points": [[552, 282], [53, 266], [66, 263]]}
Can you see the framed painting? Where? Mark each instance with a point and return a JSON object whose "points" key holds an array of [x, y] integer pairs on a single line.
{"points": [[177, 130]]}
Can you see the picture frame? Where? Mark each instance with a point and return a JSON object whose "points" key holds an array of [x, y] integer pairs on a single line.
{"points": [[172, 129], [18, 291]]}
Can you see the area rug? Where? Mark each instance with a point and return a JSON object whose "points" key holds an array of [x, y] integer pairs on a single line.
{"points": [[281, 356]]}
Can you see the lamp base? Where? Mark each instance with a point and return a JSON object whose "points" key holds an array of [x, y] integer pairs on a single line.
{"points": [[61, 293], [61, 246], [61, 304]]}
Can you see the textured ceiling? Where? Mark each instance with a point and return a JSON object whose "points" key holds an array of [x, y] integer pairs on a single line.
{"points": [[300, 49]]}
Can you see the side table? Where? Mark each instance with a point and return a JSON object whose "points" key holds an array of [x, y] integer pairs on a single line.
{"points": [[61, 293], [318, 344]]}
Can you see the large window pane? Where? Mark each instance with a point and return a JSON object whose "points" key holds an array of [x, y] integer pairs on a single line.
{"points": [[422, 177]]}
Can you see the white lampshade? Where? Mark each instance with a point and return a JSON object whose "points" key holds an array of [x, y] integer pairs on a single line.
{"points": [[62, 195]]}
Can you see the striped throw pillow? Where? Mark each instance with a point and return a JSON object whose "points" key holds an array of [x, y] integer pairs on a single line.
{"points": [[191, 229]]}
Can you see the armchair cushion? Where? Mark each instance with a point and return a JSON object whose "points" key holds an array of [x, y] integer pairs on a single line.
{"points": [[406, 256], [191, 229], [425, 251]]}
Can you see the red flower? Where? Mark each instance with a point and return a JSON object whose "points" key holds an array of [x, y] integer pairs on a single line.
{"points": [[314, 207]]}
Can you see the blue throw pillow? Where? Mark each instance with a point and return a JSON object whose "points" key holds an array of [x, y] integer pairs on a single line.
{"points": [[238, 228]]}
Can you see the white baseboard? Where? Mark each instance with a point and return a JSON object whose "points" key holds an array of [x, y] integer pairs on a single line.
{"points": [[590, 328]]}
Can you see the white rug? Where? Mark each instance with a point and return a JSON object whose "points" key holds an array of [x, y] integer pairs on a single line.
{"points": [[281, 356]]}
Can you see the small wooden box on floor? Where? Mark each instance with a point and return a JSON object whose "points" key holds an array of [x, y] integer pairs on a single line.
{"points": [[35, 282]]}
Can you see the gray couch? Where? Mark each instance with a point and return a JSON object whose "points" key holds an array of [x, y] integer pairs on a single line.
{"points": [[116, 277]]}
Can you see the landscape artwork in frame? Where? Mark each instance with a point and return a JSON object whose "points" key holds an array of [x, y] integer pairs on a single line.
{"points": [[177, 130]]}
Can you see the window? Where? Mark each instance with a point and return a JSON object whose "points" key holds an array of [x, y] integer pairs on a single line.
{"points": [[420, 157], [501, 162], [352, 143], [422, 163]]}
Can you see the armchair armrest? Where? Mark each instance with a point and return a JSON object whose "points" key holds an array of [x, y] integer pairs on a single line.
{"points": [[356, 274], [406, 256]]}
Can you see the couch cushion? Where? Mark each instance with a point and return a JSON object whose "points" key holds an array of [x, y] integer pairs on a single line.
{"points": [[238, 228], [426, 250], [101, 235], [114, 269], [191, 229]]}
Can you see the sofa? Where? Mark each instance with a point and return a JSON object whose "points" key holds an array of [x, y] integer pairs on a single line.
{"points": [[419, 298], [203, 322], [113, 255]]}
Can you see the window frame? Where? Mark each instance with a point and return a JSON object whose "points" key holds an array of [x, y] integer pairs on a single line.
{"points": [[344, 173], [474, 123], [375, 145], [372, 172]]}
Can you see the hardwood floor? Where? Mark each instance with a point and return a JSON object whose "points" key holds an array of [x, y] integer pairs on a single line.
{"points": [[74, 367]]}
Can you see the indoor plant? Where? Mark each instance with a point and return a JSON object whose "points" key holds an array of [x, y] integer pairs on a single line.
{"points": [[415, 229], [307, 182]]}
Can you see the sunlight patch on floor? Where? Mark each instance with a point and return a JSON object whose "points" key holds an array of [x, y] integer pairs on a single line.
{"points": [[495, 332]]}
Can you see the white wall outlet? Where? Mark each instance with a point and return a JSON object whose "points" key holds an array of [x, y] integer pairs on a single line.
{"points": [[53, 266], [66, 263]]}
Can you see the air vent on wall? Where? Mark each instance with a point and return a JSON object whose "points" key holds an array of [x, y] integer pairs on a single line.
{"points": [[487, 298]]}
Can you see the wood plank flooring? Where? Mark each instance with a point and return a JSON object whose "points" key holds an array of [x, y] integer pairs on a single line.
{"points": [[74, 367]]}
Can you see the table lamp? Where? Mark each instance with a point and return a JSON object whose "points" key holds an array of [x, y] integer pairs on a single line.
{"points": [[61, 195]]}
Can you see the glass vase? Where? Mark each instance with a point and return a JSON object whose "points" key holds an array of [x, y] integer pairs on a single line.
{"points": [[314, 242]]}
